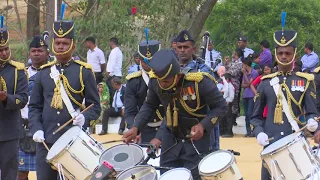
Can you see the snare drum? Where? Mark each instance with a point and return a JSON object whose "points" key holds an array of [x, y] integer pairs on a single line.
{"points": [[123, 156], [177, 173], [219, 165], [141, 172], [290, 158], [76, 153]]}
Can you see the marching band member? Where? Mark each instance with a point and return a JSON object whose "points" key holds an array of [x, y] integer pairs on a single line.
{"points": [[13, 97], [57, 96], [287, 94], [193, 106], [136, 91], [39, 54]]}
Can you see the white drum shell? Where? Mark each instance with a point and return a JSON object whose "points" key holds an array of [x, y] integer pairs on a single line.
{"points": [[150, 173], [290, 155], [226, 170], [177, 173], [77, 153]]}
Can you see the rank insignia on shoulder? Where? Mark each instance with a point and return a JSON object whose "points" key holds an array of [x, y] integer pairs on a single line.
{"points": [[18, 101]]}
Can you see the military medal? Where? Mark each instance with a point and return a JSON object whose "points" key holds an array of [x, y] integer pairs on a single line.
{"points": [[191, 93], [184, 97], [293, 85]]}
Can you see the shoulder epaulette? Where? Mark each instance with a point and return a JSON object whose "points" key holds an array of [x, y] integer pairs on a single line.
{"points": [[309, 77], [134, 75], [18, 65], [198, 76], [49, 64], [86, 65], [316, 70], [269, 76]]}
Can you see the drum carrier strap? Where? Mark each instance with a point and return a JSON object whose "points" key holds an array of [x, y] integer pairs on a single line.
{"points": [[274, 82]]}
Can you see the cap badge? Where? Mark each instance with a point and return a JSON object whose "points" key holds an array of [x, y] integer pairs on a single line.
{"points": [[283, 40], [186, 37], [41, 43], [60, 31]]}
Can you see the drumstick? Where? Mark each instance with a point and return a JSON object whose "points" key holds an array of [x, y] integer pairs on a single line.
{"points": [[301, 129], [68, 122], [107, 142], [45, 145], [270, 139]]}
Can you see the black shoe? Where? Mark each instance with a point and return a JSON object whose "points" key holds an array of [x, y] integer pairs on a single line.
{"points": [[235, 123], [120, 132], [227, 135], [103, 132]]}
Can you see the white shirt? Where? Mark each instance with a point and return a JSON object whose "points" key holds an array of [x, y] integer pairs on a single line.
{"points": [[247, 51], [24, 111], [215, 55], [117, 103], [96, 58], [114, 64]]}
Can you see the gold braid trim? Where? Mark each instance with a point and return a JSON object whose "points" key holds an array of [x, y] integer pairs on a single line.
{"points": [[3, 85], [15, 80], [270, 76], [168, 116], [18, 65], [175, 114], [133, 75], [198, 76], [86, 65], [68, 88], [316, 70], [159, 114], [49, 64], [57, 99], [309, 77]]}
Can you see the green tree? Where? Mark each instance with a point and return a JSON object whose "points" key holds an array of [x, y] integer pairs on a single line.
{"points": [[258, 19]]}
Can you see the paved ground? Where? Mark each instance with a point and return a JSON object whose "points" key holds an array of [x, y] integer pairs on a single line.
{"points": [[248, 162]]}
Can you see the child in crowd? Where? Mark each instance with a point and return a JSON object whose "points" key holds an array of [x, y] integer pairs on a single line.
{"points": [[266, 70]]}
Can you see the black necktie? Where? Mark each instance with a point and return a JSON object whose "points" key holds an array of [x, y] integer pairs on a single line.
{"points": [[211, 59]]}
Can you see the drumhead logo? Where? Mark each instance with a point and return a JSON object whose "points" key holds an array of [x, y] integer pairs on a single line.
{"points": [[98, 175]]}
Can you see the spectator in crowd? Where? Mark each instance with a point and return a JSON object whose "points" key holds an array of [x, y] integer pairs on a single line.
{"points": [[114, 65], [227, 122], [266, 55], [136, 66], [242, 44], [104, 97], [117, 108], [234, 68], [95, 57], [212, 56], [267, 69], [310, 60], [249, 74]]}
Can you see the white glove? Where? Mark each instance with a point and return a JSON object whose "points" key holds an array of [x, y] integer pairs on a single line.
{"points": [[262, 139], [312, 125], [79, 120], [38, 136]]}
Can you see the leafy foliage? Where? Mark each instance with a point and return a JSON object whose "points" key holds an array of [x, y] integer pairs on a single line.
{"points": [[258, 19]]}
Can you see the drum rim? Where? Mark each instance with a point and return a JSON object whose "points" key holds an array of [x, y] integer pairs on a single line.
{"points": [[100, 161], [282, 147], [122, 172], [179, 168], [76, 136], [222, 169]]}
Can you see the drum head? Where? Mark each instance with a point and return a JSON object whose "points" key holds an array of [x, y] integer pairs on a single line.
{"points": [[123, 156], [63, 141], [180, 173], [215, 162], [139, 172], [280, 143]]}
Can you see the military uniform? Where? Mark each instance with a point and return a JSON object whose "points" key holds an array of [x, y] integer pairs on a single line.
{"points": [[13, 80], [195, 100], [317, 83], [195, 66], [299, 91], [136, 93], [47, 109]]}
